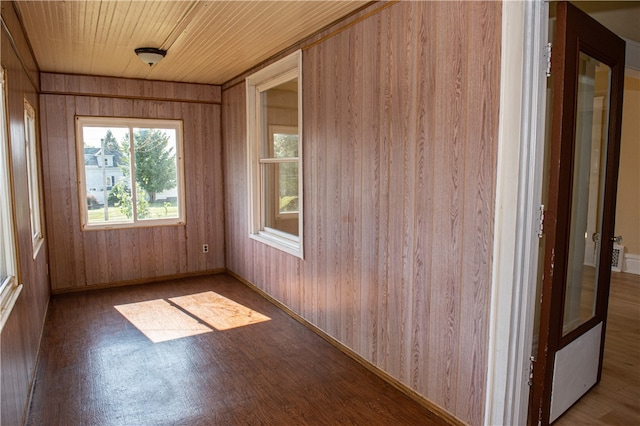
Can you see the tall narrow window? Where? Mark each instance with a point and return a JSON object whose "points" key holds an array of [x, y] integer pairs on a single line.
{"points": [[9, 288], [131, 172], [274, 137], [33, 176]]}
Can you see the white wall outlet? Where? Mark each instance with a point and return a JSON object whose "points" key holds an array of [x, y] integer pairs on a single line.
{"points": [[205, 248]]}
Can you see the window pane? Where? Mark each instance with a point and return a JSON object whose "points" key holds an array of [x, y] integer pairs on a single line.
{"points": [[288, 182], [274, 146], [156, 173], [285, 146], [107, 174], [279, 108], [33, 180], [7, 242], [277, 196]]}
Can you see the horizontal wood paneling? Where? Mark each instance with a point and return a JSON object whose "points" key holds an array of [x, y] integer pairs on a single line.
{"points": [[91, 85], [20, 337], [97, 258], [400, 133]]}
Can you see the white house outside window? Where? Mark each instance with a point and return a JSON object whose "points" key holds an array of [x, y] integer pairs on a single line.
{"points": [[130, 171], [274, 138]]}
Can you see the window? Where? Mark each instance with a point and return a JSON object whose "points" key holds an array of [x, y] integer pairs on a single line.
{"points": [[130, 172], [274, 138], [9, 288], [33, 176]]}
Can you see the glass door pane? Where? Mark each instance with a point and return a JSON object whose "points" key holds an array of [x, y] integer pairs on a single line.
{"points": [[591, 131]]}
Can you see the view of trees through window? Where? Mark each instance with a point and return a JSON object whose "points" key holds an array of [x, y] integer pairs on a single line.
{"points": [[121, 160], [286, 146]]}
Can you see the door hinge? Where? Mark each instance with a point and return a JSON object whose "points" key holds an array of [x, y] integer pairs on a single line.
{"points": [[532, 361], [540, 220], [547, 56]]}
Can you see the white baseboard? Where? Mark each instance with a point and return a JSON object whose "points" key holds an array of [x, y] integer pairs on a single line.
{"points": [[631, 264]]}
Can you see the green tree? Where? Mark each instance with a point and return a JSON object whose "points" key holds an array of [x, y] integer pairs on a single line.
{"points": [[155, 161], [111, 143], [286, 146], [122, 193]]}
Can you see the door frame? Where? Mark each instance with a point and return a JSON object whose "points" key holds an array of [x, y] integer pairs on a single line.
{"points": [[517, 200], [520, 160], [576, 33]]}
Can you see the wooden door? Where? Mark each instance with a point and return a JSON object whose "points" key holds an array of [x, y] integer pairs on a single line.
{"points": [[588, 76]]}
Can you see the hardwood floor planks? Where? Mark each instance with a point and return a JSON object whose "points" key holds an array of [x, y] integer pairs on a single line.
{"points": [[105, 371], [616, 399]]}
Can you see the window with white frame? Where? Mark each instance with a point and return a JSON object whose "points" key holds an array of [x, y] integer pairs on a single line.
{"points": [[33, 176], [131, 172], [9, 288], [274, 138]]}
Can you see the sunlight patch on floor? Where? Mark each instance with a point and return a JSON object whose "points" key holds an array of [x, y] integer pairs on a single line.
{"points": [[218, 311], [161, 320]]}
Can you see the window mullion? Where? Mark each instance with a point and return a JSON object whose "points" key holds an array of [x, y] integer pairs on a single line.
{"points": [[132, 174], [278, 160]]}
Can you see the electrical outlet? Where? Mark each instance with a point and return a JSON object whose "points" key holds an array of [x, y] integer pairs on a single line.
{"points": [[205, 248]]}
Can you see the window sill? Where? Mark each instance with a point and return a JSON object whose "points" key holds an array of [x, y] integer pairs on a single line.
{"points": [[7, 302], [132, 225], [283, 244], [37, 245]]}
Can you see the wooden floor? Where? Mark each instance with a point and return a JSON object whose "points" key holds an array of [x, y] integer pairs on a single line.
{"points": [[199, 351], [616, 399]]}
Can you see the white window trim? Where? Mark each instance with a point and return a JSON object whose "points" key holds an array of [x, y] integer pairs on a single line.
{"points": [[33, 170], [273, 75], [9, 287], [81, 122]]}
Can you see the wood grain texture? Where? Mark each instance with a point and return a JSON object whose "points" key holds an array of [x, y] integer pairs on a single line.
{"points": [[206, 42], [399, 181], [20, 337], [97, 86], [18, 42], [262, 368], [616, 399], [97, 258]]}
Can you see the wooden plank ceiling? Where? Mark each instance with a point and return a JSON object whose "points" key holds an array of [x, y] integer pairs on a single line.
{"points": [[206, 41]]}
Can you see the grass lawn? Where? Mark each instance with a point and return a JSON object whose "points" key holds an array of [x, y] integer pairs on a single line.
{"points": [[157, 211], [285, 200]]}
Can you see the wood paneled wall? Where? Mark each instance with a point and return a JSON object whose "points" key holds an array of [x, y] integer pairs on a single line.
{"points": [[107, 257], [400, 135], [20, 337]]}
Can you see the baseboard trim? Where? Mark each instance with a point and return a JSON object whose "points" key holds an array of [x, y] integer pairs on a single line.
{"points": [[32, 378], [138, 281], [440, 412], [631, 264]]}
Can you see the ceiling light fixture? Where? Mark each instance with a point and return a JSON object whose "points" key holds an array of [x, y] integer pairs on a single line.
{"points": [[150, 55]]}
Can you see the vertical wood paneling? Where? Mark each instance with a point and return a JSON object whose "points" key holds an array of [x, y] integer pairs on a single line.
{"points": [[478, 228], [424, 187], [20, 336], [105, 257], [448, 202], [371, 169], [400, 123]]}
